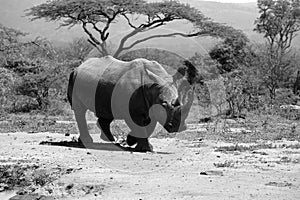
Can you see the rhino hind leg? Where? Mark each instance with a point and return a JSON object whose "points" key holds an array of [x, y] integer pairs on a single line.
{"points": [[104, 125], [79, 111]]}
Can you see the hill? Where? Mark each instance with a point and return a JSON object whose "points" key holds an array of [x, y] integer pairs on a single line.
{"points": [[238, 15]]}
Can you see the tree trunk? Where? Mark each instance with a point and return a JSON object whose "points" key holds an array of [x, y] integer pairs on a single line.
{"points": [[296, 89]]}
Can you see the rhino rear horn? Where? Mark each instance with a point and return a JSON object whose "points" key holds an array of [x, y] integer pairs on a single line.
{"points": [[191, 72]]}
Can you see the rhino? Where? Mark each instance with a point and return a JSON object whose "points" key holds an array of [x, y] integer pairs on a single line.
{"points": [[140, 92]]}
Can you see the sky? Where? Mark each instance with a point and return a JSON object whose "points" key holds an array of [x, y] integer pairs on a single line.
{"points": [[233, 1]]}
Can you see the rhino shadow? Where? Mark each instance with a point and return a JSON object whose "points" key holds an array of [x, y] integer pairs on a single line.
{"points": [[96, 146]]}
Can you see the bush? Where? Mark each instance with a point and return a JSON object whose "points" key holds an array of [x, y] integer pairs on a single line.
{"points": [[23, 104], [285, 96], [7, 79]]}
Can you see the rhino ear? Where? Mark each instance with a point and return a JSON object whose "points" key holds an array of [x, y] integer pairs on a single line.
{"points": [[179, 74], [160, 79]]}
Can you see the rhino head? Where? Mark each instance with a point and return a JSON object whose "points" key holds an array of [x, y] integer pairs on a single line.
{"points": [[172, 111], [176, 99], [177, 114]]}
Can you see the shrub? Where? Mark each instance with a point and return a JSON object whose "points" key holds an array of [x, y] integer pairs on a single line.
{"points": [[7, 80]]}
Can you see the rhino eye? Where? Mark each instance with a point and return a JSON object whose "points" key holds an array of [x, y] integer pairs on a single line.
{"points": [[164, 104], [176, 103]]}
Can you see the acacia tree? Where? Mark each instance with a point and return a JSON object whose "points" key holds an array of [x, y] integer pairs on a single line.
{"points": [[279, 21], [230, 53], [97, 16]]}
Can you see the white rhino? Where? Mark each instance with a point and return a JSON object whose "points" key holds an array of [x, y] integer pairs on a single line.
{"points": [[141, 92]]}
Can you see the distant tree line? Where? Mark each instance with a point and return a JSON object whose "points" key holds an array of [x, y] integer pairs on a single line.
{"points": [[34, 73], [268, 69]]}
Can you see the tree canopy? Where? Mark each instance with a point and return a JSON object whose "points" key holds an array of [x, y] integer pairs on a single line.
{"points": [[97, 16], [230, 53], [279, 22]]}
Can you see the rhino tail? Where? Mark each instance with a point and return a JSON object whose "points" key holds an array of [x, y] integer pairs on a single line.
{"points": [[70, 86]]}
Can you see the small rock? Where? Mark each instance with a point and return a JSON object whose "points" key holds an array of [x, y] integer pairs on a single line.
{"points": [[21, 192], [212, 172], [203, 173], [69, 170], [70, 186], [260, 153], [88, 153]]}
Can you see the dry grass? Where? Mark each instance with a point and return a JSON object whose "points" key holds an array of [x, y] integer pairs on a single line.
{"points": [[268, 124], [26, 177], [243, 148], [34, 123], [259, 125]]}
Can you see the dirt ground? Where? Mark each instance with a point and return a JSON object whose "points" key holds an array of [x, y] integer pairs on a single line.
{"points": [[179, 169]]}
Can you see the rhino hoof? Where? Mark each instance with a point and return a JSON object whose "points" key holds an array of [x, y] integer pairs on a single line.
{"points": [[131, 140], [144, 147]]}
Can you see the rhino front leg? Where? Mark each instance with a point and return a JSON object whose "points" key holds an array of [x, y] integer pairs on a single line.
{"points": [[143, 145], [104, 125], [131, 140], [79, 111]]}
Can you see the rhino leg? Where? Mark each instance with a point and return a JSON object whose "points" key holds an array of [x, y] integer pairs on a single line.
{"points": [[131, 140], [79, 111], [143, 145], [105, 129]]}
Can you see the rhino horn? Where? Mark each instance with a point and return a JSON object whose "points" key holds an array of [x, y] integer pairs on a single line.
{"points": [[188, 104]]}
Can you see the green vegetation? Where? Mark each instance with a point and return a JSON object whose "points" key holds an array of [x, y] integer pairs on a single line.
{"points": [[243, 81]]}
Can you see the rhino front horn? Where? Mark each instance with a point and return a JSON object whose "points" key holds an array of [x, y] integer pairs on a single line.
{"points": [[188, 104]]}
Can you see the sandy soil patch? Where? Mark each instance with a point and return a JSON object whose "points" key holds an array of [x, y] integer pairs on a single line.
{"points": [[179, 169]]}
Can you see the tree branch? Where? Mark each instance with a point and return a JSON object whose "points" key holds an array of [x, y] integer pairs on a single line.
{"points": [[128, 21], [96, 46], [157, 21], [163, 36], [89, 33], [124, 39], [105, 35]]}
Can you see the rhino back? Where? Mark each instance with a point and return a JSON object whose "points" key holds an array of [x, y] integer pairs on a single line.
{"points": [[89, 74]]}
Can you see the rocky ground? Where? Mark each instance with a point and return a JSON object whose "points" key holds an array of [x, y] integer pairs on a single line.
{"points": [[180, 168]]}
